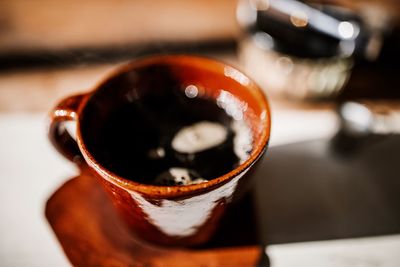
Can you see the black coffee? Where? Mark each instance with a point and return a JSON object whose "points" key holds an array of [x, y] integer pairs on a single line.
{"points": [[173, 137]]}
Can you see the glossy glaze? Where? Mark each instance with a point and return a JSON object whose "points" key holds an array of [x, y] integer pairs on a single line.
{"points": [[169, 215], [92, 234]]}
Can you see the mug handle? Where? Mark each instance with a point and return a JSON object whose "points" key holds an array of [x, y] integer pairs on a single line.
{"points": [[66, 110]]}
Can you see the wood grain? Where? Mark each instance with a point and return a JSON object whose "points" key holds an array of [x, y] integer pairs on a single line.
{"points": [[60, 24], [92, 234]]}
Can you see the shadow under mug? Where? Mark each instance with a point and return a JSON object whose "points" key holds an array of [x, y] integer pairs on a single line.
{"points": [[168, 215]]}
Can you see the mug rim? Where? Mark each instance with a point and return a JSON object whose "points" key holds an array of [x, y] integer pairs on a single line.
{"points": [[176, 190]]}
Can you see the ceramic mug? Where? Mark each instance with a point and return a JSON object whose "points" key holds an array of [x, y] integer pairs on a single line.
{"points": [[168, 215]]}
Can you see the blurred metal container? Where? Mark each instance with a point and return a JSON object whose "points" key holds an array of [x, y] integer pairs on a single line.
{"points": [[297, 51]]}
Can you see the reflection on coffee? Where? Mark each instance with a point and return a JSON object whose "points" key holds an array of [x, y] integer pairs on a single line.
{"points": [[174, 137]]}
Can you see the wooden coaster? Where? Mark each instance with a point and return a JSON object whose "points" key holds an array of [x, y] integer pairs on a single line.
{"points": [[92, 234]]}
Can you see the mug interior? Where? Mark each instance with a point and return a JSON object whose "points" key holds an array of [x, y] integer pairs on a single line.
{"points": [[198, 77]]}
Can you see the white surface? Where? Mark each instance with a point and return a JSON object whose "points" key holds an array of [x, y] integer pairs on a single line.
{"points": [[294, 126], [383, 251], [30, 171]]}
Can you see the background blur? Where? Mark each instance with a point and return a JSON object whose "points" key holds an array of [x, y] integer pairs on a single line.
{"points": [[58, 34], [328, 111]]}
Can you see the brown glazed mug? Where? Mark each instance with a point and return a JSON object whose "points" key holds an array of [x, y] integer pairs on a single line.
{"points": [[167, 215]]}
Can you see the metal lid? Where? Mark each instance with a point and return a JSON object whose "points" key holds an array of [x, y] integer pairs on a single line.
{"points": [[300, 30]]}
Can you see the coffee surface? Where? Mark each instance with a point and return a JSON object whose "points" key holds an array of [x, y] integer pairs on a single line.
{"points": [[172, 137]]}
